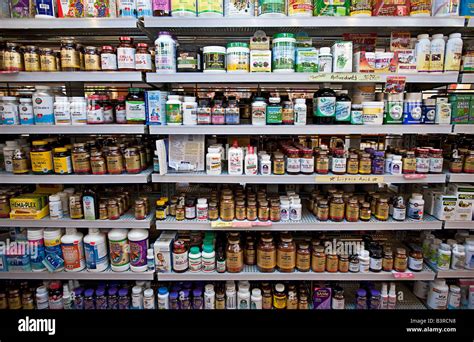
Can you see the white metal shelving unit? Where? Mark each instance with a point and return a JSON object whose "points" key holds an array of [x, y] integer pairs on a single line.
{"points": [[202, 177], [127, 221], [467, 78], [460, 178], [68, 24], [251, 273], [308, 222], [82, 275], [466, 129], [77, 76], [296, 77], [455, 274], [297, 130], [9, 178], [70, 129], [459, 225]]}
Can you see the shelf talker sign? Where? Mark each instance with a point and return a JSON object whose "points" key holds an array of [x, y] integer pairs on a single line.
{"points": [[345, 77], [355, 179]]}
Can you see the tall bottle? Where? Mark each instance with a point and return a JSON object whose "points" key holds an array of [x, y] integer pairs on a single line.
{"points": [[343, 107], [324, 106], [90, 204], [236, 159]]}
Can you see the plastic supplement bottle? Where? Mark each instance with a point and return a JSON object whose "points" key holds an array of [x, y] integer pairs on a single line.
{"points": [[452, 61], [174, 111], [243, 299], [209, 297], [256, 299], [208, 258], [95, 246], [325, 60], [55, 207], [165, 47], [62, 111], [213, 161], [119, 250], [300, 109], [25, 110], [36, 240], [138, 244], [43, 106], [438, 294], [73, 250], [163, 298], [189, 108], [438, 46], [469, 248], [78, 109], [416, 207], [423, 53]]}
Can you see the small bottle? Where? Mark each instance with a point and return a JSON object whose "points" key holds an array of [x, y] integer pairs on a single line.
{"points": [[300, 110], [235, 159], [202, 209], [265, 165], [251, 162], [55, 207], [163, 298], [256, 299], [209, 297], [396, 165], [150, 260]]}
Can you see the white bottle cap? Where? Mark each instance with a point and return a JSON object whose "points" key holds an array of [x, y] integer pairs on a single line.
{"points": [[325, 51], [54, 198], [189, 99]]}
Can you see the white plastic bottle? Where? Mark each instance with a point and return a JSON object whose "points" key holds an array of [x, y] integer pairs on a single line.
{"points": [[469, 248], [422, 53], [392, 297], [119, 250], [235, 159], [78, 108], [364, 261], [416, 207], [35, 238], [295, 209], [452, 60], [256, 299], [384, 297], [300, 110], [62, 111], [243, 298], [43, 105], [284, 208], [163, 298], [396, 165], [231, 296], [8, 152], [213, 161], [209, 297], [149, 299], [138, 244], [208, 258], [458, 258], [73, 250], [438, 295], [55, 207], [325, 60], [251, 162], [202, 209], [454, 297], [42, 302], [67, 298], [265, 165], [137, 298], [95, 247], [25, 110], [444, 257], [189, 108], [437, 51]]}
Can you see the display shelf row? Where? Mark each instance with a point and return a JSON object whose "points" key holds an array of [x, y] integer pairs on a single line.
{"points": [[460, 177], [459, 225], [308, 222], [455, 274], [76, 76], [82, 275], [74, 129], [252, 274]]}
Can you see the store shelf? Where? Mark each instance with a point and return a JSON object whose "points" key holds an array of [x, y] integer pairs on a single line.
{"points": [[467, 77], [458, 224], [470, 22], [202, 177], [460, 177], [308, 223], [68, 24], [78, 76], [125, 221], [81, 129], [466, 129], [9, 178], [251, 273], [297, 77], [300, 130], [455, 274], [83, 275]]}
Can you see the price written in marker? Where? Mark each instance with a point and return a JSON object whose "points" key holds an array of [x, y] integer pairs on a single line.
{"points": [[345, 77], [403, 275], [414, 176], [349, 179]]}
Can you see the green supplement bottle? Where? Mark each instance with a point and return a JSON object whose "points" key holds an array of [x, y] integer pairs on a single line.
{"points": [[324, 106], [274, 111]]}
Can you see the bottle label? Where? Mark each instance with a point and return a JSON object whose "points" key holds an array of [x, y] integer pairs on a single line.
{"points": [[416, 264], [43, 109], [307, 165], [26, 114], [72, 253], [338, 164], [325, 106], [180, 261], [119, 255], [89, 207], [436, 165], [10, 114], [126, 58], [96, 254], [343, 111], [399, 214], [135, 110], [138, 251], [337, 304], [293, 165], [108, 61], [143, 61], [41, 162], [174, 114], [208, 264], [62, 165]]}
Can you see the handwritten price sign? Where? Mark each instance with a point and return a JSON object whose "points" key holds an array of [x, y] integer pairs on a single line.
{"points": [[345, 77], [358, 179], [403, 275]]}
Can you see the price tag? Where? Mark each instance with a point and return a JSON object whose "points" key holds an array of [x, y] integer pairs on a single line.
{"points": [[261, 224], [358, 179], [241, 224], [345, 77], [220, 224], [414, 176], [403, 275]]}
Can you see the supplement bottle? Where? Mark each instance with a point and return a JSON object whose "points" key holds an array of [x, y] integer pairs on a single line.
{"points": [[96, 253], [437, 51], [73, 250], [423, 53], [36, 243], [138, 244], [119, 250], [453, 57], [43, 106], [324, 106], [343, 108], [300, 110], [41, 158], [165, 47]]}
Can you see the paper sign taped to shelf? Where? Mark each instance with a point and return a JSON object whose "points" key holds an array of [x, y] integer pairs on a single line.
{"points": [[403, 275], [241, 224], [414, 176], [219, 224], [349, 179], [345, 77], [261, 224]]}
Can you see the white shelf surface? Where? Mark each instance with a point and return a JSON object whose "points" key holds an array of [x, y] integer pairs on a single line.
{"points": [[251, 273], [76, 129], [470, 22], [467, 77], [466, 129], [82, 275], [68, 23], [455, 274], [125, 221], [309, 22], [78, 76], [9, 178], [202, 177], [300, 130], [461, 177], [458, 224], [295, 77], [308, 222]]}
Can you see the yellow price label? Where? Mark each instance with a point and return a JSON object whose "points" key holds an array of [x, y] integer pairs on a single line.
{"points": [[345, 77], [349, 179], [220, 224]]}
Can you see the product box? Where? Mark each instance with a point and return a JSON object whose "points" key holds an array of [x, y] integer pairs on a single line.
{"points": [[155, 107], [467, 8], [48, 189], [306, 59], [331, 7], [390, 7], [465, 200], [186, 152], [445, 207], [342, 56], [162, 249], [259, 41], [70, 8], [400, 41], [405, 61], [322, 298], [443, 110], [28, 203], [260, 61], [460, 108], [429, 196], [468, 61], [383, 62], [471, 111]]}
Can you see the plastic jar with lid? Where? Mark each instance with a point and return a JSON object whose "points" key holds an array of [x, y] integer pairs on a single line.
{"points": [[20, 162], [48, 60], [234, 254], [143, 58], [41, 158], [62, 110], [409, 162], [232, 111], [92, 59], [10, 115], [422, 160], [436, 160], [95, 110], [238, 57], [322, 163], [339, 161], [468, 164], [283, 52], [165, 55], [43, 105], [13, 58], [189, 110], [174, 110], [214, 58], [78, 109], [132, 160], [453, 52], [80, 157], [135, 106], [274, 111], [286, 254], [126, 54], [293, 162], [32, 58], [437, 52], [300, 112], [108, 58], [259, 108], [336, 208], [272, 9], [183, 8], [325, 60], [422, 53], [70, 59], [62, 161], [266, 254], [307, 161], [25, 112], [115, 161], [416, 207]]}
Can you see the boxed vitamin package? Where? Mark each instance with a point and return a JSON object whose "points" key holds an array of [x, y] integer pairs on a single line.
{"points": [[467, 8], [384, 62], [443, 110], [460, 108], [260, 61], [322, 298], [465, 200], [445, 207], [306, 59], [259, 41], [155, 107], [331, 7], [342, 56], [405, 61], [163, 248], [71, 8], [468, 60], [390, 7], [29, 207]]}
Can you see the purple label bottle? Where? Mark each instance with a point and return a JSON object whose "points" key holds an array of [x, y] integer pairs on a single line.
{"points": [[89, 299], [112, 303], [100, 299], [123, 299], [78, 299]]}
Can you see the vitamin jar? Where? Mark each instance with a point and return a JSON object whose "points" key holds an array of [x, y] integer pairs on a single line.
{"points": [[409, 162], [95, 110], [91, 59], [165, 55], [303, 257], [132, 160], [353, 164], [114, 161], [108, 58], [365, 212], [32, 58], [98, 164], [80, 159], [338, 166], [41, 158], [322, 163], [382, 209], [336, 208], [70, 58], [275, 8], [468, 165], [62, 161], [283, 52], [436, 160], [238, 57], [322, 212], [293, 163], [48, 61], [318, 261], [365, 164], [234, 254], [13, 59], [400, 262], [286, 254], [214, 59], [126, 54], [266, 254], [352, 210], [278, 164], [143, 58], [422, 160], [307, 161]]}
